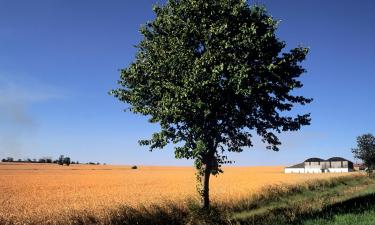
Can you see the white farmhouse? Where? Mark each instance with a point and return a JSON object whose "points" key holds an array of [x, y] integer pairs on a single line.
{"points": [[318, 165]]}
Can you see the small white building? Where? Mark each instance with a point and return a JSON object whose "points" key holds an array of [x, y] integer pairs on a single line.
{"points": [[318, 165]]}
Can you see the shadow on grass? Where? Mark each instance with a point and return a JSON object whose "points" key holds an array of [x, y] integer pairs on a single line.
{"points": [[297, 214], [356, 205]]}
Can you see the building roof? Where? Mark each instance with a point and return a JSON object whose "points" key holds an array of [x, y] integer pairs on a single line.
{"points": [[335, 159], [314, 160], [299, 165]]}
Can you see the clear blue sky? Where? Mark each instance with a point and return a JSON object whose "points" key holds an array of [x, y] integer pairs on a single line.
{"points": [[59, 58]]}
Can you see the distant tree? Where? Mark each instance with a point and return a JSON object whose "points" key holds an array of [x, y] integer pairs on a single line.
{"points": [[29, 160], [19, 160], [42, 160], [48, 160], [212, 73], [34, 161], [365, 151], [77, 162], [61, 160], [3, 160], [66, 161], [10, 159], [98, 163]]}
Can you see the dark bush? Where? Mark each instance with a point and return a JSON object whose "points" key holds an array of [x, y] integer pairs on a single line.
{"points": [[66, 161]]}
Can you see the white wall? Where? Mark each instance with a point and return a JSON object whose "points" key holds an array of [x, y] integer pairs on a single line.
{"points": [[317, 168], [313, 170], [294, 170], [339, 170]]}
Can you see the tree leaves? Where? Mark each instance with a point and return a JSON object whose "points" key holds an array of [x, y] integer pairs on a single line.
{"points": [[365, 150], [210, 72]]}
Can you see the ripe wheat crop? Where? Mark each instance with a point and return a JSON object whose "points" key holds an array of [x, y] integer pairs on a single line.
{"points": [[47, 193]]}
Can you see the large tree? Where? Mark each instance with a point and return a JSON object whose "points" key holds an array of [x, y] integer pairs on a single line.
{"points": [[365, 151], [212, 73]]}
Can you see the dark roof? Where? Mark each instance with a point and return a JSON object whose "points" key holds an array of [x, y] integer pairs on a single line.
{"points": [[335, 159], [299, 165], [314, 160]]}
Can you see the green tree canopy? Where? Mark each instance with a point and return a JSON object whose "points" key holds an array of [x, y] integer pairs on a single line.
{"points": [[365, 151], [211, 73]]}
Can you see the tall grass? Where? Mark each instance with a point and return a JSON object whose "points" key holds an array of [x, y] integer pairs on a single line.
{"points": [[295, 204], [274, 193]]}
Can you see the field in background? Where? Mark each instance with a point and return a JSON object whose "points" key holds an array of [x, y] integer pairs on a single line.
{"points": [[45, 192]]}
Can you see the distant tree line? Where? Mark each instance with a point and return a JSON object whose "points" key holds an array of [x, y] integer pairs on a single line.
{"points": [[62, 160]]}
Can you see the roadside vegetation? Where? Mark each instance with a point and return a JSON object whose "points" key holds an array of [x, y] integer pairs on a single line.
{"points": [[313, 203]]}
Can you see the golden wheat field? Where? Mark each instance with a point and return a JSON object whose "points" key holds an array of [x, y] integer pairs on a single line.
{"points": [[44, 192]]}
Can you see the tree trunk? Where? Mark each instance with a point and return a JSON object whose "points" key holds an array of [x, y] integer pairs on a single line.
{"points": [[206, 187]]}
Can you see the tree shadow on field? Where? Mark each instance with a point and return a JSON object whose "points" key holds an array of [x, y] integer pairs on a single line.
{"points": [[169, 213], [127, 215]]}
